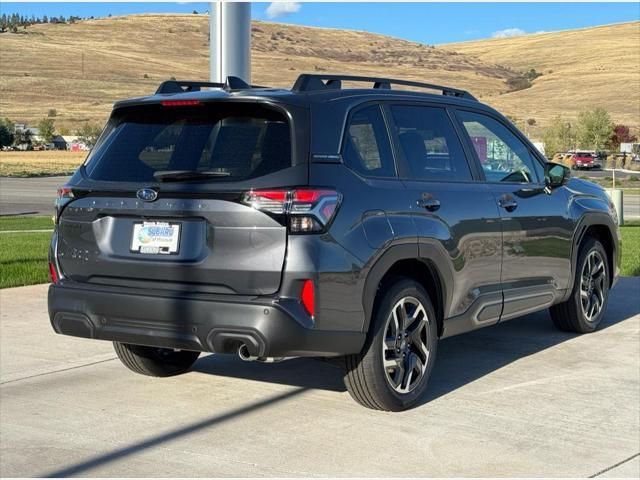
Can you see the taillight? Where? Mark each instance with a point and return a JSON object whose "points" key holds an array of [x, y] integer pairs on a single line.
{"points": [[64, 191], [309, 210], [65, 195], [308, 297], [53, 274], [272, 201]]}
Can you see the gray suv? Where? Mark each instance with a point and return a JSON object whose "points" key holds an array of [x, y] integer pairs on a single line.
{"points": [[360, 224]]}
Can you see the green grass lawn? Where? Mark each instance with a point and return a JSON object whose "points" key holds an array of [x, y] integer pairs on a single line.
{"points": [[630, 265], [23, 256], [25, 223]]}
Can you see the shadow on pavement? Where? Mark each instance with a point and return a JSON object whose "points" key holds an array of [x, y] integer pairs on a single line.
{"points": [[119, 453], [461, 360]]}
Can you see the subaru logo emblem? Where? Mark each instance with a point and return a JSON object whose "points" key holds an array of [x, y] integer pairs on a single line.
{"points": [[147, 194]]}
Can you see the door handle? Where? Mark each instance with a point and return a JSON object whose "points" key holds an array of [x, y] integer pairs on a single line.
{"points": [[429, 202], [508, 203]]}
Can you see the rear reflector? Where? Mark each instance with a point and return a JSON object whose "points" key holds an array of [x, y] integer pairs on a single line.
{"points": [[52, 273], [308, 297], [179, 103]]}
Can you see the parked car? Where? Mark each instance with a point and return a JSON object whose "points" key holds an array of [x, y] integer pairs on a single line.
{"points": [[584, 160], [361, 225]]}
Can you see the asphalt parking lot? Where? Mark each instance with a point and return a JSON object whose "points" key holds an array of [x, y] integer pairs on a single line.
{"points": [[519, 399]]}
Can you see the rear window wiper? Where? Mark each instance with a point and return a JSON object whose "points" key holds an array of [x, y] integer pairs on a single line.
{"points": [[180, 175]]}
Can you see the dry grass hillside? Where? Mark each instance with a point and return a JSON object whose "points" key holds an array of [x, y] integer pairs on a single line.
{"points": [[80, 69], [582, 68]]}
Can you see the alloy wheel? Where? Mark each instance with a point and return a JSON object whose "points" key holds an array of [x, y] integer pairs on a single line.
{"points": [[405, 350], [592, 285]]}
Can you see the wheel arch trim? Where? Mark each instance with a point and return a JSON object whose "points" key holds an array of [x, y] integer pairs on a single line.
{"points": [[430, 253], [587, 220]]}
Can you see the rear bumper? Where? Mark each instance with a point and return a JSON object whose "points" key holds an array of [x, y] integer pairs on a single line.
{"points": [[269, 328]]}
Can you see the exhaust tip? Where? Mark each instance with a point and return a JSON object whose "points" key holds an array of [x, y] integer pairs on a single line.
{"points": [[243, 353]]}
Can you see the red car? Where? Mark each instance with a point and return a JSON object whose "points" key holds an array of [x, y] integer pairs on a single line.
{"points": [[580, 160]]}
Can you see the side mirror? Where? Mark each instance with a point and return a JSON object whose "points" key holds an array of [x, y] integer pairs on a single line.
{"points": [[556, 175]]}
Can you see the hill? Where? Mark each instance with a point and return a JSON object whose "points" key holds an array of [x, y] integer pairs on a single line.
{"points": [[80, 69], [582, 68]]}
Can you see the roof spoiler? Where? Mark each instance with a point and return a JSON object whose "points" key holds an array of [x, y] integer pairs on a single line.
{"points": [[232, 83]]}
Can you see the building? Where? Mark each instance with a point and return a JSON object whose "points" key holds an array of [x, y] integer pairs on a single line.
{"points": [[59, 143]]}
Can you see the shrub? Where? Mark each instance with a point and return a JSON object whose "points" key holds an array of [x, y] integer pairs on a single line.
{"points": [[52, 112], [518, 83], [531, 74]]}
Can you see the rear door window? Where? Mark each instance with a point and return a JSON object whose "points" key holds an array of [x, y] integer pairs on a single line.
{"points": [[367, 149], [430, 144], [237, 141]]}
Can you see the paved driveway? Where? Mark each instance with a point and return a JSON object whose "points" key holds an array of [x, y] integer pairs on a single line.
{"points": [[519, 399]]}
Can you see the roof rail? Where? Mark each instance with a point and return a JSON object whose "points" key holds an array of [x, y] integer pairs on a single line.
{"points": [[308, 82], [181, 86]]}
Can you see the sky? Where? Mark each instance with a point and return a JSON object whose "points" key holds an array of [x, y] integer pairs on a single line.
{"points": [[430, 23]]}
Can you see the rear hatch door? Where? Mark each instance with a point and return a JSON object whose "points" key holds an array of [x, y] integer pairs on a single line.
{"points": [[158, 203]]}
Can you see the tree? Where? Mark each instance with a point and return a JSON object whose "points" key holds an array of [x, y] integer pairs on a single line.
{"points": [[558, 137], [88, 134], [64, 131], [47, 129], [620, 135], [22, 137], [7, 132], [594, 129]]}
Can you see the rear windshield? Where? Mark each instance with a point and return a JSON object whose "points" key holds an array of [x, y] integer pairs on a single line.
{"points": [[237, 141]]}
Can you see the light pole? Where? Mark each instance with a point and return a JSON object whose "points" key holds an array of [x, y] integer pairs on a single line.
{"points": [[230, 41]]}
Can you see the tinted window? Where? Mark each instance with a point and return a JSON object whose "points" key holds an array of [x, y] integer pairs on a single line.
{"points": [[504, 158], [367, 149], [430, 144], [239, 141]]}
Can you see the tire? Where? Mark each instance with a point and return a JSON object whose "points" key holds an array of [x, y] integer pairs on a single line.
{"points": [[366, 378], [155, 362], [589, 291]]}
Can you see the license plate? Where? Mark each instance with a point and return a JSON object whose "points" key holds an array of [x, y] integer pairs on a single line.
{"points": [[156, 238]]}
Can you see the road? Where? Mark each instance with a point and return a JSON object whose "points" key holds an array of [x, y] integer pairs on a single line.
{"points": [[620, 175], [519, 399], [28, 196]]}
